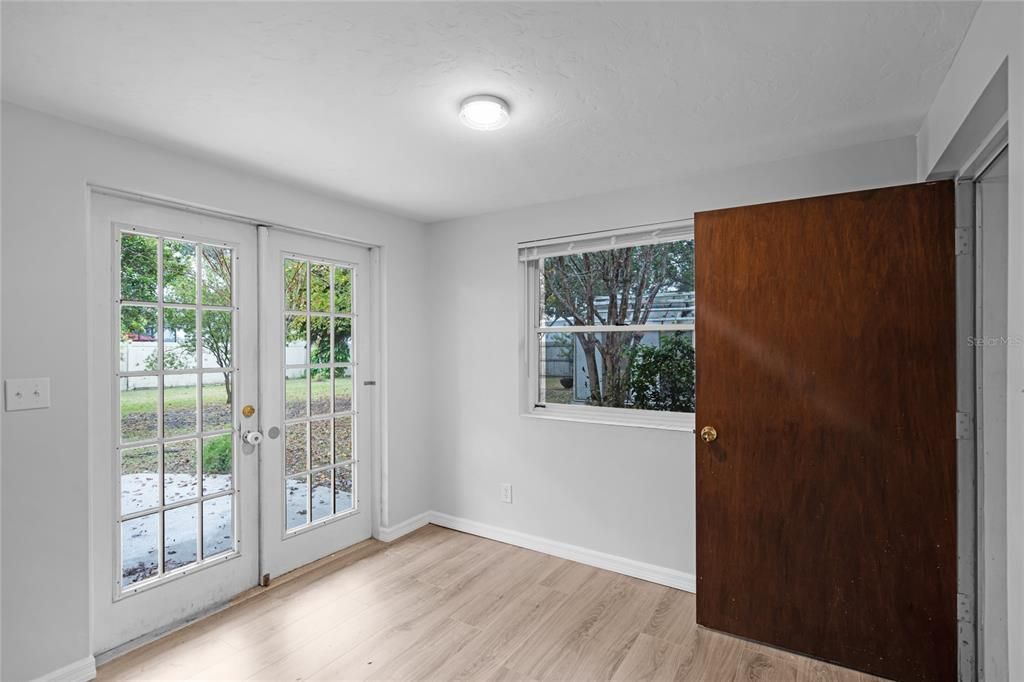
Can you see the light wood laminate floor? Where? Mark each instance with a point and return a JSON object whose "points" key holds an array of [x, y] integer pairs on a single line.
{"points": [[443, 605]]}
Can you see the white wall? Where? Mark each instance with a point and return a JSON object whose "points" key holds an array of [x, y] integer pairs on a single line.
{"points": [[994, 49], [46, 163], [625, 491]]}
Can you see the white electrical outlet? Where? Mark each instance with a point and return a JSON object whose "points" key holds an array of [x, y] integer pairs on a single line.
{"points": [[506, 493], [26, 394]]}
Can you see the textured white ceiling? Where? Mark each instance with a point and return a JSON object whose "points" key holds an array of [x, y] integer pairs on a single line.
{"points": [[360, 99]]}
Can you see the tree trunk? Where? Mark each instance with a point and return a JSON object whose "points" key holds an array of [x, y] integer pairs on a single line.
{"points": [[589, 352], [614, 358]]}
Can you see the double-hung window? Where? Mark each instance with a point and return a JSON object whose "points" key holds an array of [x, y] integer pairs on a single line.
{"points": [[609, 327]]}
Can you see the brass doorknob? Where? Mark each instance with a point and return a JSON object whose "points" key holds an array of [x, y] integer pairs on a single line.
{"points": [[708, 434]]}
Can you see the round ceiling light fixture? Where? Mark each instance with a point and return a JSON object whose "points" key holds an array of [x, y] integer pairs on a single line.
{"points": [[484, 112]]}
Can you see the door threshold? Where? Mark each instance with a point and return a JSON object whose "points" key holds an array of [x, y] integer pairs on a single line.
{"points": [[327, 564]]}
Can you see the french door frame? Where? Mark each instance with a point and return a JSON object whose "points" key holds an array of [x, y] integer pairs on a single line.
{"points": [[102, 413]]}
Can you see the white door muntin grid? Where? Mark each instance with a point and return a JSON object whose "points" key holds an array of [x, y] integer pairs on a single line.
{"points": [[162, 373], [341, 367]]}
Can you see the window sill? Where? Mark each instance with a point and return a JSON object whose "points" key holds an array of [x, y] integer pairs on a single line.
{"points": [[665, 421]]}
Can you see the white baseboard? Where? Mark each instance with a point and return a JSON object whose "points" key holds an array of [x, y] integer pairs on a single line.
{"points": [[610, 562], [392, 533], [79, 671]]}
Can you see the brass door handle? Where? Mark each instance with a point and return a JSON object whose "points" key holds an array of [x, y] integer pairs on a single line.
{"points": [[708, 434]]}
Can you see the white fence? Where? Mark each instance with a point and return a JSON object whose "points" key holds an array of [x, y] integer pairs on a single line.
{"points": [[140, 356]]}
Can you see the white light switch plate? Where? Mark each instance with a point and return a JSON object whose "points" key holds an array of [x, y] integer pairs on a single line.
{"points": [[26, 394]]}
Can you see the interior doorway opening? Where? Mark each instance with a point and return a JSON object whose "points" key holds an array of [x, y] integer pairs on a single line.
{"points": [[988, 187]]}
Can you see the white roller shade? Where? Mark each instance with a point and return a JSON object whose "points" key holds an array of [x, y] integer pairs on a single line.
{"points": [[608, 239]]}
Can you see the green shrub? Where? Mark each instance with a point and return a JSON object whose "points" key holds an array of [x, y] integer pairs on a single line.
{"points": [[662, 377], [217, 455]]}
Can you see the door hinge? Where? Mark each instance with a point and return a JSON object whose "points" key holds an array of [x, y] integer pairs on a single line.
{"points": [[962, 243], [963, 426], [964, 608]]}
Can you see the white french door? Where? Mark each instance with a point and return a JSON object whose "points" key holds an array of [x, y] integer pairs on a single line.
{"points": [[176, 510], [229, 431], [316, 362]]}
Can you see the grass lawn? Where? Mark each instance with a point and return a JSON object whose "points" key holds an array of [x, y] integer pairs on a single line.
{"points": [[555, 392], [139, 422], [183, 398]]}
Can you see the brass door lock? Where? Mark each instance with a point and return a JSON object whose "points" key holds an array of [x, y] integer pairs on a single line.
{"points": [[708, 434]]}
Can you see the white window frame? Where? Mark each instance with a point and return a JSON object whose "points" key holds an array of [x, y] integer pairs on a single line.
{"points": [[529, 348]]}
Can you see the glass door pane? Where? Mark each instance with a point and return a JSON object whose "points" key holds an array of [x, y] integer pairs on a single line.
{"points": [[317, 390], [175, 379]]}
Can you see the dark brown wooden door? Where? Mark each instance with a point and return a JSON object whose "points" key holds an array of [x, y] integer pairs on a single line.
{"points": [[826, 361]]}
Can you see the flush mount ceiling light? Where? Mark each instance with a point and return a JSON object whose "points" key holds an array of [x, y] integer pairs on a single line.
{"points": [[484, 112]]}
